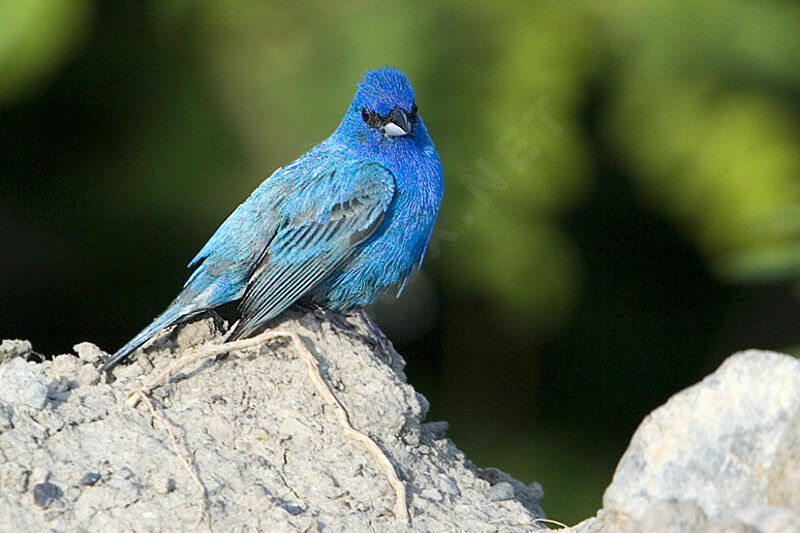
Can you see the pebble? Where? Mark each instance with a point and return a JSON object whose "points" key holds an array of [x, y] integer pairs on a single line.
{"points": [[294, 510], [46, 493], [502, 491], [90, 478], [88, 375], [64, 364], [14, 348], [411, 439], [88, 352]]}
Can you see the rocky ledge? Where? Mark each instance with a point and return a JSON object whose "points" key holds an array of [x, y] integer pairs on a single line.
{"points": [[245, 442], [250, 441]]}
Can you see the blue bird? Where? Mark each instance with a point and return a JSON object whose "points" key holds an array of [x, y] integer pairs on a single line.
{"points": [[335, 227]]}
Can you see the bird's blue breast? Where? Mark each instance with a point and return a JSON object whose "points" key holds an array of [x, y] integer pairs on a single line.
{"points": [[388, 257]]}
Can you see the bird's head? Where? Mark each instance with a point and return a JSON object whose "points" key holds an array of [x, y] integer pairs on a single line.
{"points": [[385, 102]]}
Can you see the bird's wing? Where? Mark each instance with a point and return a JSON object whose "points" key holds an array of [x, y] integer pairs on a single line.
{"points": [[248, 228], [324, 216]]}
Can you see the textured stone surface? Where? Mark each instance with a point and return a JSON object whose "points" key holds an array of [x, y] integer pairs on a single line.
{"points": [[14, 348], [22, 383], [266, 447], [672, 517], [721, 443], [722, 455]]}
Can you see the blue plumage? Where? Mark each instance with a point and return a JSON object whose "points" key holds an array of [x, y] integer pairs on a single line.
{"points": [[337, 226]]}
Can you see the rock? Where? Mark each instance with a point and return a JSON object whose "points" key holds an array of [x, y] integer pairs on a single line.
{"points": [[10, 348], [22, 383], [718, 443], [722, 455], [46, 493], [528, 495], [64, 365], [90, 478], [88, 375], [89, 353], [267, 448], [672, 517], [502, 491]]}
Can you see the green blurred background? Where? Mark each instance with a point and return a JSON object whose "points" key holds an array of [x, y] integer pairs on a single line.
{"points": [[622, 204]]}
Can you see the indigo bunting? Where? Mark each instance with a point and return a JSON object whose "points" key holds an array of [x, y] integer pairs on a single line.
{"points": [[335, 227]]}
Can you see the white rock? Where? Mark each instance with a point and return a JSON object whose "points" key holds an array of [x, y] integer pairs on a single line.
{"points": [[64, 364], [11, 348], [672, 517], [88, 352], [502, 491], [88, 375], [22, 383], [721, 444]]}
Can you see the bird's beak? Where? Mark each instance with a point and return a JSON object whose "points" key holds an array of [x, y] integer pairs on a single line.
{"points": [[398, 124]]}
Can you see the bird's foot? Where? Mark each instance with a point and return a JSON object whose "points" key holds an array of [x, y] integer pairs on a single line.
{"points": [[334, 317], [375, 334]]}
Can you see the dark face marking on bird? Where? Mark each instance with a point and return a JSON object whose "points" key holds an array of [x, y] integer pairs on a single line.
{"points": [[397, 123]]}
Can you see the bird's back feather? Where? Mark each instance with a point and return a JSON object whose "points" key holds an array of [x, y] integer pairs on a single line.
{"points": [[325, 219], [338, 225]]}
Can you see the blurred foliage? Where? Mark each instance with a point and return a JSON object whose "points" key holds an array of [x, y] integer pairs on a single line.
{"points": [[36, 37], [719, 153], [621, 207]]}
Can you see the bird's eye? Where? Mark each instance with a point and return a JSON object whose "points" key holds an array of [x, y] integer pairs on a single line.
{"points": [[414, 109], [372, 118]]}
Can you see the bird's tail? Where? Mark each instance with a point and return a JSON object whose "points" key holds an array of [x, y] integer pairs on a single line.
{"points": [[167, 318], [202, 291]]}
